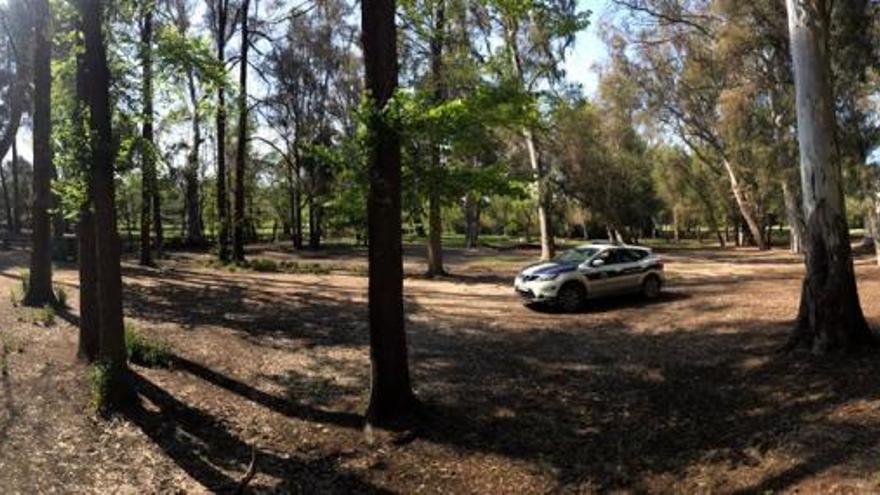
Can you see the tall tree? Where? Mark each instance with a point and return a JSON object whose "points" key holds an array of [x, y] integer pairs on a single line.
{"points": [[390, 391], [241, 152], [219, 11], [40, 292], [149, 187], [830, 315], [111, 332], [435, 221]]}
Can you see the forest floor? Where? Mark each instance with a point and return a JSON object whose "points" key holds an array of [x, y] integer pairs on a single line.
{"points": [[683, 395]]}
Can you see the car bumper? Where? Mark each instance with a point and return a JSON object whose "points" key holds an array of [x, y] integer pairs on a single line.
{"points": [[536, 291]]}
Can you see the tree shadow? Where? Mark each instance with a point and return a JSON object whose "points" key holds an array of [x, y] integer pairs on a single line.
{"points": [[218, 459]]}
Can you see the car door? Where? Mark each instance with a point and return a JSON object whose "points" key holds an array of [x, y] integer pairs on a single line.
{"points": [[603, 278]]}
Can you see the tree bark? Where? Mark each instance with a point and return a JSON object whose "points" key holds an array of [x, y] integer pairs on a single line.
{"points": [[111, 337], [435, 220], [40, 291], [793, 213], [390, 390], [830, 316], [241, 153], [88, 287], [148, 157], [7, 203], [472, 221], [222, 196], [16, 190]]}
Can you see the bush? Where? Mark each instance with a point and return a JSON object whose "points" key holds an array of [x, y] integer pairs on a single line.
{"points": [[263, 265], [306, 268], [145, 351], [15, 297]]}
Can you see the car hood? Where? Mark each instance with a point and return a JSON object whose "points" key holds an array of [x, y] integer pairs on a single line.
{"points": [[549, 268]]}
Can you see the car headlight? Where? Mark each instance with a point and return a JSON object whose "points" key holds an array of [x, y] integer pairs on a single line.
{"points": [[544, 277]]}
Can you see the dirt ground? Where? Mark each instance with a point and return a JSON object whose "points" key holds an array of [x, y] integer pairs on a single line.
{"points": [[683, 395]]}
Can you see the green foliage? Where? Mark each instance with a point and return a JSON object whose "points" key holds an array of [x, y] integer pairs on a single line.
{"points": [[263, 265], [24, 277], [45, 316], [100, 383], [146, 351]]}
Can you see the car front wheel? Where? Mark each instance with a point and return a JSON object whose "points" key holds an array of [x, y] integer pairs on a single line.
{"points": [[571, 297]]}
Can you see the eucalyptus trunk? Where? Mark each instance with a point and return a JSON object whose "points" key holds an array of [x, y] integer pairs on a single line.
{"points": [[830, 315]]}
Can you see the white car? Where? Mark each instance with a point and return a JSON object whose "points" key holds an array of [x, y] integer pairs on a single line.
{"points": [[590, 271]]}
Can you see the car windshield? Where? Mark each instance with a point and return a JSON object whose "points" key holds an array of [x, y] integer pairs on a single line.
{"points": [[577, 255]]}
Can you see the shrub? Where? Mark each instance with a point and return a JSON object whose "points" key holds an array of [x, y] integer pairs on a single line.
{"points": [[15, 297], [145, 351], [263, 265], [306, 268]]}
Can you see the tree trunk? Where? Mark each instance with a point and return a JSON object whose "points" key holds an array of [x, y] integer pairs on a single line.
{"points": [[16, 190], [88, 287], [390, 391], [830, 315], [793, 213], [7, 204], [111, 339], [241, 153], [435, 184], [148, 150], [472, 221], [296, 200], [40, 291], [222, 196]]}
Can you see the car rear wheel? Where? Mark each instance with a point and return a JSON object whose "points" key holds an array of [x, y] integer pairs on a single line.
{"points": [[651, 287], [571, 297]]}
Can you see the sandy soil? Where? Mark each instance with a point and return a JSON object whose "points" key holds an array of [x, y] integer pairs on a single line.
{"points": [[683, 395]]}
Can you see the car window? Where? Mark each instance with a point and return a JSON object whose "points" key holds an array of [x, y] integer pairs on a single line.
{"points": [[577, 255], [633, 255], [611, 257]]}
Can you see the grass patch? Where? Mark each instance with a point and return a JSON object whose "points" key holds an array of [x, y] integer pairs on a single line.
{"points": [[45, 316], [146, 351], [263, 265], [61, 297], [305, 268]]}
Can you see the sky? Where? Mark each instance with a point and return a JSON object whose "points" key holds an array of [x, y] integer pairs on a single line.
{"points": [[588, 49]]}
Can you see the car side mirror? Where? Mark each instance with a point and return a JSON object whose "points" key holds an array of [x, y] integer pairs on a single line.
{"points": [[597, 263]]}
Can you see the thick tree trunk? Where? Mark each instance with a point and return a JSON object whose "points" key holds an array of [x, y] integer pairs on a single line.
{"points": [[195, 228], [40, 291], [390, 391], [435, 221], [241, 153], [111, 340], [830, 315]]}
